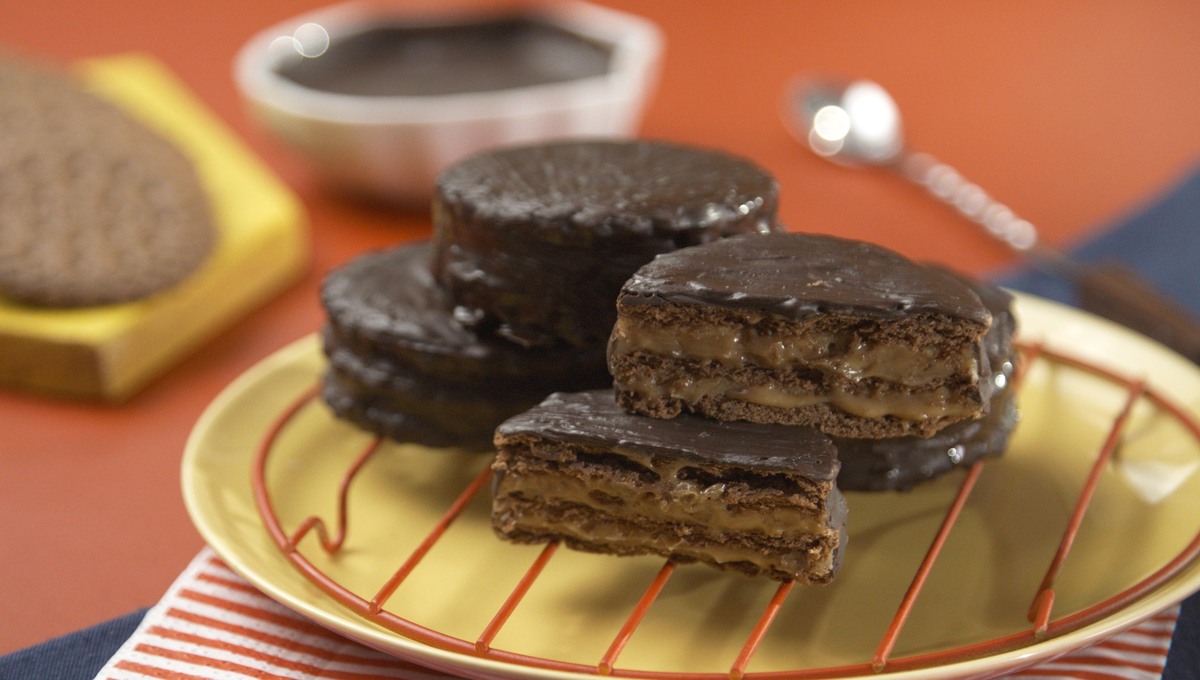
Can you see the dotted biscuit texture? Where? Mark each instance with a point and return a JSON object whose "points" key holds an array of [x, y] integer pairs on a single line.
{"points": [[95, 208]]}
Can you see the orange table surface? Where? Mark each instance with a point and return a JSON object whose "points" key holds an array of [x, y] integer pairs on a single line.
{"points": [[1070, 112]]}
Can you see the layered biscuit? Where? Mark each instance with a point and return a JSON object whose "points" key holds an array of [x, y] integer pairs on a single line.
{"points": [[802, 329], [754, 499]]}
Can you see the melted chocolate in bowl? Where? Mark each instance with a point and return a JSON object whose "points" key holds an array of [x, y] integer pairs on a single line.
{"points": [[481, 56]]}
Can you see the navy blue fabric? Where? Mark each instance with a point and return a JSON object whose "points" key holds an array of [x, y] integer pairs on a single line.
{"points": [[77, 656], [1161, 241], [1183, 661]]}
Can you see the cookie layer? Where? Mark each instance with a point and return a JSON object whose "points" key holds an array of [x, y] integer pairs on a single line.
{"points": [[755, 499], [801, 329], [900, 463]]}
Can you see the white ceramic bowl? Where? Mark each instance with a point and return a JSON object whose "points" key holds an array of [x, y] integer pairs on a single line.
{"points": [[393, 147]]}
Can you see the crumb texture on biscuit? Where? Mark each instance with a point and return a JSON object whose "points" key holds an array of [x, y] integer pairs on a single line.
{"points": [[754, 500], [95, 208], [803, 330], [900, 463]]}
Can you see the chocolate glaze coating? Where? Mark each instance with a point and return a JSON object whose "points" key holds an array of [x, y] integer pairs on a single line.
{"points": [[899, 463], [635, 469], [537, 240], [594, 418], [412, 416], [800, 275], [802, 286], [402, 365]]}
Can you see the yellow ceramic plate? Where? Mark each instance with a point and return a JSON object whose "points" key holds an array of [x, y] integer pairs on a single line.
{"points": [[1145, 512]]}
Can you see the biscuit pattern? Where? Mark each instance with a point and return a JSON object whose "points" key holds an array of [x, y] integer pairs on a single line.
{"points": [[95, 208]]}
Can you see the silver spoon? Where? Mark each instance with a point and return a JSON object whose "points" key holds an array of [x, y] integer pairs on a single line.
{"points": [[858, 124]]}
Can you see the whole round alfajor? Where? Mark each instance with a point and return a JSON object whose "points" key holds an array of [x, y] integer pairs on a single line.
{"points": [[535, 241]]}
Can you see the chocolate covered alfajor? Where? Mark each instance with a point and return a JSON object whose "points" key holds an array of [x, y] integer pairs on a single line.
{"points": [[534, 242], [754, 499], [800, 329], [403, 366]]}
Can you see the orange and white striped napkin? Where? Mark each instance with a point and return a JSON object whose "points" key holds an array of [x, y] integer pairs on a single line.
{"points": [[213, 625], [1139, 653]]}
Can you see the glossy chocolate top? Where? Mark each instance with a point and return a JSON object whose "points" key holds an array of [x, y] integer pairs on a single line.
{"points": [[390, 296], [594, 418], [386, 303], [596, 190], [799, 275], [440, 59]]}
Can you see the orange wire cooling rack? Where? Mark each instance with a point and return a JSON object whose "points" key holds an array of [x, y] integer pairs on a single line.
{"points": [[1043, 624]]}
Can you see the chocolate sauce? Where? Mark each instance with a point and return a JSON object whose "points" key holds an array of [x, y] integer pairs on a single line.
{"points": [[440, 59]]}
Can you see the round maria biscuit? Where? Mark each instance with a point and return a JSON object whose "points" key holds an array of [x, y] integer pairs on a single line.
{"points": [[95, 208]]}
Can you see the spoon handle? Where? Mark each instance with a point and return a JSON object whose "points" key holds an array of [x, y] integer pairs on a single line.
{"points": [[1112, 291], [968, 198]]}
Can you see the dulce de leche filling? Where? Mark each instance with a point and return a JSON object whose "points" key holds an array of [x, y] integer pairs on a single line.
{"points": [[844, 358], [680, 500], [675, 500]]}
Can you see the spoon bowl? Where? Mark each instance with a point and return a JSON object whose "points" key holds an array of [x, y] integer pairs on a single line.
{"points": [[853, 124], [857, 123]]}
